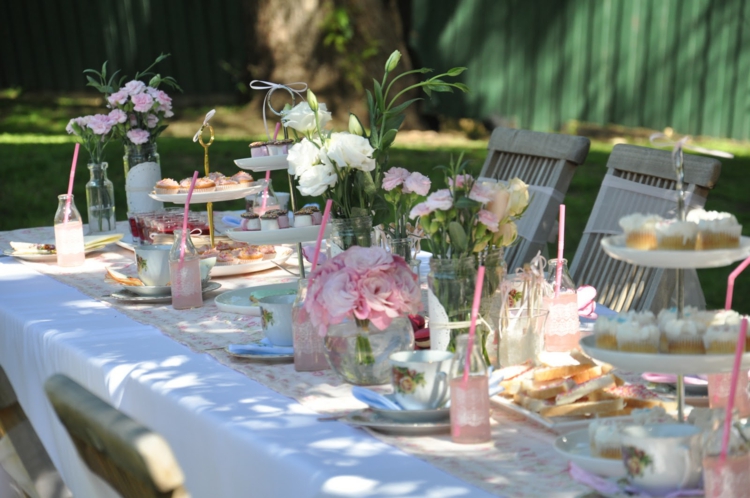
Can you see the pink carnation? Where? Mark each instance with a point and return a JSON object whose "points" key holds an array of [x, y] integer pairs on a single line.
{"points": [[167, 112], [100, 124], [482, 193], [118, 98], [421, 209], [417, 183], [460, 180], [142, 102], [162, 98], [440, 200], [152, 120], [134, 87], [488, 219], [138, 136], [394, 177], [116, 116]]}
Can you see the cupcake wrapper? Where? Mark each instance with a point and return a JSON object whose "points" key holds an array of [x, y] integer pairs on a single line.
{"points": [[686, 345], [639, 346], [641, 239], [167, 191], [724, 238], [675, 243], [606, 341]]}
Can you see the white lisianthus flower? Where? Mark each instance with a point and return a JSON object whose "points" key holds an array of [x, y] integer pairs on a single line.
{"points": [[519, 196], [302, 118], [302, 155], [348, 150], [315, 179]]}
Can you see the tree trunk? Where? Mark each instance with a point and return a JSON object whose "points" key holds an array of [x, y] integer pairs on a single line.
{"points": [[335, 46]]}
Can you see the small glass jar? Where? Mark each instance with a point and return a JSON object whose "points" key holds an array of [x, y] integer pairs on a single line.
{"points": [[185, 274], [265, 200], [562, 330], [69, 244], [470, 399], [309, 352], [729, 478]]}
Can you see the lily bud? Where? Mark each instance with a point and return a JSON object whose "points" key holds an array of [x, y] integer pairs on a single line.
{"points": [[312, 100], [392, 62], [355, 126]]}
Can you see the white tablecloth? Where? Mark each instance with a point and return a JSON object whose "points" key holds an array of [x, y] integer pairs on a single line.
{"points": [[232, 436]]}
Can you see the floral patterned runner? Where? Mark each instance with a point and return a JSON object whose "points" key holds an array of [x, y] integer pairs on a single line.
{"points": [[520, 461]]}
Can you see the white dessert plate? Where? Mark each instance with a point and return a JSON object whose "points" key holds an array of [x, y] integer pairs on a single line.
{"points": [[215, 196], [275, 357], [375, 421], [127, 295], [684, 364], [560, 425], [238, 301], [266, 163], [284, 236], [226, 270], [413, 416], [47, 258], [575, 447], [616, 248]]}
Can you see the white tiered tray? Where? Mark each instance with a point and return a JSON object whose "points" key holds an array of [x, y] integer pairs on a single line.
{"points": [[282, 254], [680, 364], [284, 236], [267, 163], [616, 248], [216, 196]]}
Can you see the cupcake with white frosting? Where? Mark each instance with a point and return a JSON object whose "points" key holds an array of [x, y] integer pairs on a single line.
{"points": [[605, 332], [640, 230], [676, 235], [715, 230], [636, 338], [684, 336]]}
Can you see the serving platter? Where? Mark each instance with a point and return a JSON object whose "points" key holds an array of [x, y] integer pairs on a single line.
{"points": [[575, 447], [127, 295], [238, 301], [266, 163], [284, 236], [615, 247], [215, 196], [685, 364], [377, 422]]}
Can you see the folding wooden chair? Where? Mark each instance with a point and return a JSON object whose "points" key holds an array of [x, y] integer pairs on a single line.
{"points": [[544, 161], [23, 455], [639, 180], [135, 461]]}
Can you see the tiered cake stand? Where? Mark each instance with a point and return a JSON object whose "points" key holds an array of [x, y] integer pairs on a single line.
{"points": [[679, 364]]}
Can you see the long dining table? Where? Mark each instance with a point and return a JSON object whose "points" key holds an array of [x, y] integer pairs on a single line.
{"points": [[237, 427]]}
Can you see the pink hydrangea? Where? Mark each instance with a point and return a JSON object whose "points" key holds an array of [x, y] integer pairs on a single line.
{"points": [[440, 200], [100, 124], [117, 116], [138, 136], [394, 177], [134, 87], [118, 98], [488, 219], [417, 183], [142, 102]]}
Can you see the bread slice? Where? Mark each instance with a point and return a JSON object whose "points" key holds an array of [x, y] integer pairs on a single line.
{"points": [[583, 408], [585, 376], [638, 396], [547, 390], [532, 404], [552, 373], [581, 357], [584, 389]]}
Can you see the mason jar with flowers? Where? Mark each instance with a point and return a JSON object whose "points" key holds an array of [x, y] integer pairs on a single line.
{"points": [[360, 301], [466, 224], [144, 109]]}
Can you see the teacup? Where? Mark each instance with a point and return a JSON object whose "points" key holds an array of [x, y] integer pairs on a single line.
{"points": [[153, 264], [276, 317], [662, 458], [420, 378], [206, 265]]}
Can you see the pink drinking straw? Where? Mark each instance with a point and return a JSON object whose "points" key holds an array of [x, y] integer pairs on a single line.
{"points": [[739, 349], [473, 326], [70, 182], [730, 282], [185, 220], [560, 245], [323, 223], [268, 173]]}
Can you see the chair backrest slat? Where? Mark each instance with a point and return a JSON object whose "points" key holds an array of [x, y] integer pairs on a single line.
{"points": [[540, 159], [622, 286]]}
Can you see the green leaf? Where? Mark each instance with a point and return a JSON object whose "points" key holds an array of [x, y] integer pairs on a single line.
{"points": [[466, 203], [427, 91], [394, 122], [378, 95], [154, 82], [365, 181], [455, 71], [458, 236], [388, 137], [461, 87], [401, 107], [440, 88]]}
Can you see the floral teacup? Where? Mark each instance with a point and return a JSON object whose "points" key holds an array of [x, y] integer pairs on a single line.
{"points": [[420, 378], [153, 264], [276, 318], [662, 458]]}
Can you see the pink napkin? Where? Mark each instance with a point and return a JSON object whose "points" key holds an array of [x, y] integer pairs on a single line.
{"points": [[586, 301], [608, 487]]}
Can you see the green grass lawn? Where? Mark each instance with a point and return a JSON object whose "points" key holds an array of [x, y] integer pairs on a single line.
{"points": [[35, 170]]}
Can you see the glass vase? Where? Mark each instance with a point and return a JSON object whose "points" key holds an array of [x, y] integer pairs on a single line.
{"points": [[142, 170], [348, 232], [100, 199], [358, 351], [495, 269], [451, 291]]}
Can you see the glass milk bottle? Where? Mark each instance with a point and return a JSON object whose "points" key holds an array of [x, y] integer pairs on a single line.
{"points": [[309, 355], [68, 234], [185, 277], [470, 400], [562, 330], [732, 477]]}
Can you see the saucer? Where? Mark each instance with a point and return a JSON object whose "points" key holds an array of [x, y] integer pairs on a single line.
{"points": [[273, 357], [127, 295], [412, 416], [376, 421]]}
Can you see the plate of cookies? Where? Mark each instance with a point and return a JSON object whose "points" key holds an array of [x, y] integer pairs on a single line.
{"points": [[237, 258]]}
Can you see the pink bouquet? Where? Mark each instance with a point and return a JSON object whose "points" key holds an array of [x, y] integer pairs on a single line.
{"points": [[366, 284]]}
